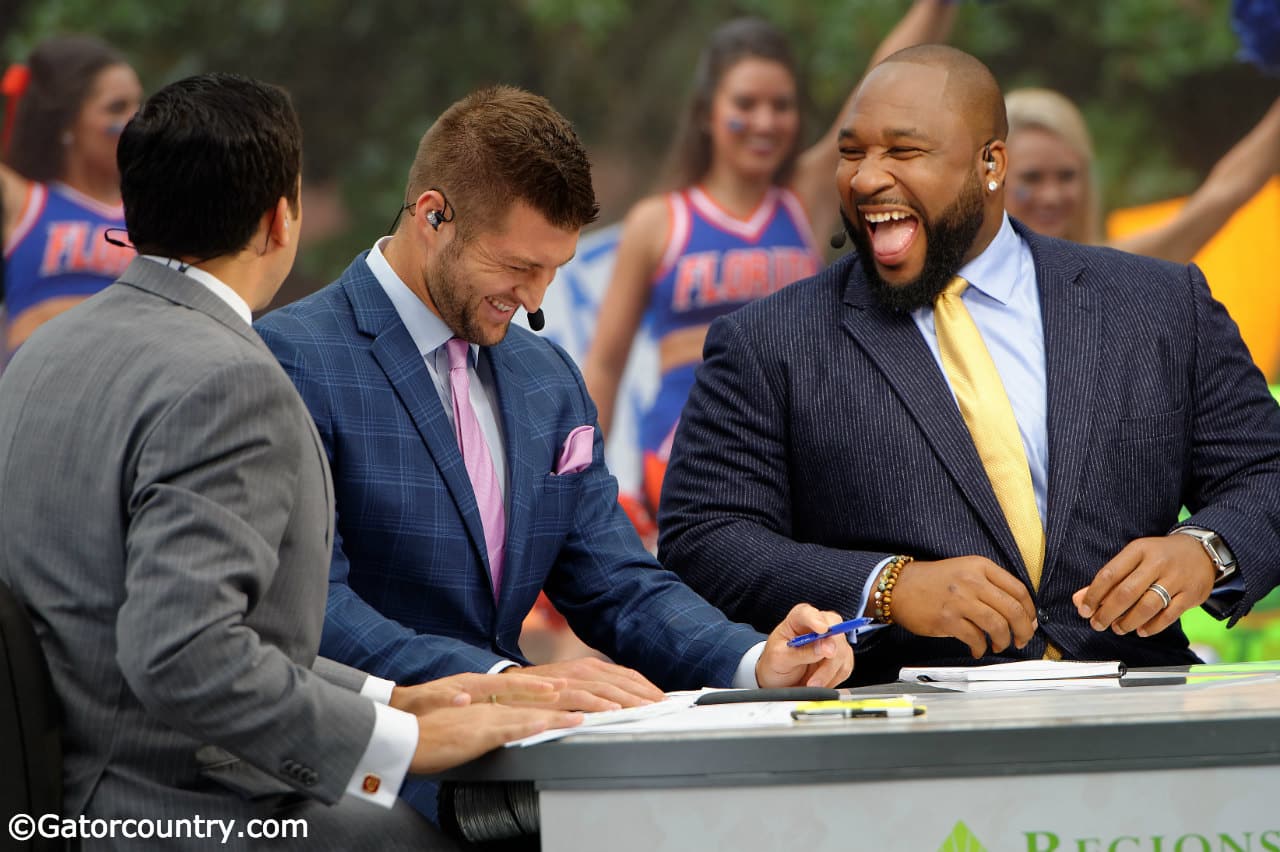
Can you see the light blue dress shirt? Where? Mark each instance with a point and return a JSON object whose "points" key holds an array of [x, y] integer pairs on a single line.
{"points": [[430, 334], [1004, 301]]}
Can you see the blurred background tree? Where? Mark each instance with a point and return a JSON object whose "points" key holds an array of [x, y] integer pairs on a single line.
{"points": [[1158, 79]]}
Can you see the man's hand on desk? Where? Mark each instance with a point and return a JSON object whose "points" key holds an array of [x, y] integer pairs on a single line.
{"points": [[1121, 599], [593, 684], [460, 690], [969, 598], [454, 735], [826, 662]]}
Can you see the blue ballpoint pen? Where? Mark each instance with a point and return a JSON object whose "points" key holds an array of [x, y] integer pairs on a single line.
{"points": [[850, 626]]}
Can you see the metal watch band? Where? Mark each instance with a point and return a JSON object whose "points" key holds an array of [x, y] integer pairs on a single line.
{"points": [[1224, 561]]}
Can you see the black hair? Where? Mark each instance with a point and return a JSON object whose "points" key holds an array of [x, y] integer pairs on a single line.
{"points": [[203, 160]]}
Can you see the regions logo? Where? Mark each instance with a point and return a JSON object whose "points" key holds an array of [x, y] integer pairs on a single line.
{"points": [[961, 839]]}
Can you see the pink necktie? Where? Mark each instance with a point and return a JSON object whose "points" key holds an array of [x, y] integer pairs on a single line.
{"points": [[475, 455]]}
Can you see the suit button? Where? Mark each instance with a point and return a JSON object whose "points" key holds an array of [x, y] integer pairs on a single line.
{"points": [[309, 778], [287, 766], [1042, 615]]}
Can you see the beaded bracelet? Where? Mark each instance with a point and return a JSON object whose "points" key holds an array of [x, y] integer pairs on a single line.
{"points": [[884, 588]]}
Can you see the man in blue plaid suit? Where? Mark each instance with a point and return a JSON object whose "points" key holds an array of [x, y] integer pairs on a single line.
{"points": [[497, 195]]}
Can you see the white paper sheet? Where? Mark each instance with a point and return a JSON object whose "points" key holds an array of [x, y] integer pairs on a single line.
{"points": [[1019, 670], [678, 715]]}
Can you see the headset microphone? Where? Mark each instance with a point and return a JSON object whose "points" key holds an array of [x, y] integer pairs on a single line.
{"points": [[536, 320], [841, 237]]}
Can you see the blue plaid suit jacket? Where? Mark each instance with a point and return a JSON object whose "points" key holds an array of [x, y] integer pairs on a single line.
{"points": [[832, 420], [409, 590]]}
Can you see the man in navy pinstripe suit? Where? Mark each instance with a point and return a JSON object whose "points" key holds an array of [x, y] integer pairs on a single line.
{"points": [[824, 438], [420, 586]]}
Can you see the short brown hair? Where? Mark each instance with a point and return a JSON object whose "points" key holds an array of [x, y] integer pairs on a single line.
{"points": [[499, 145]]}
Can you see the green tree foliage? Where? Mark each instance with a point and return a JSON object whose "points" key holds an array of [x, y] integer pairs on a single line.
{"points": [[1157, 79]]}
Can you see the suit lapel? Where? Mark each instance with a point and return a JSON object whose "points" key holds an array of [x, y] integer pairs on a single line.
{"points": [[394, 350], [1072, 334], [521, 470], [894, 345]]}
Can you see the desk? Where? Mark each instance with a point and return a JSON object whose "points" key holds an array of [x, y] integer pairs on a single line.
{"points": [[1143, 769]]}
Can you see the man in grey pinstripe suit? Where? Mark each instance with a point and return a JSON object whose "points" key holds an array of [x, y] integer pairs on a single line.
{"points": [[166, 517], [831, 411]]}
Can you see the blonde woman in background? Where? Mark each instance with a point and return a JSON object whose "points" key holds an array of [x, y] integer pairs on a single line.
{"points": [[1052, 187]]}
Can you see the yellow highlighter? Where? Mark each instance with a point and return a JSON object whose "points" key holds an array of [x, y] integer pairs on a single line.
{"points": [[899, 707]]}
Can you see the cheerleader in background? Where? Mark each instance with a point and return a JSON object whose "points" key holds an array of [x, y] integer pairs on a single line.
{"points": [[738, 226], [59, 184]]}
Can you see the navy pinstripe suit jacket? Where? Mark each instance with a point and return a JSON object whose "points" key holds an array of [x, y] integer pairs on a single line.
{"points": [[821, 437], [410, 596]]}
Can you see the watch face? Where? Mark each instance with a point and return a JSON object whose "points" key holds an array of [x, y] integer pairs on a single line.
{"points": [[1223, 562], [1213, 543]]}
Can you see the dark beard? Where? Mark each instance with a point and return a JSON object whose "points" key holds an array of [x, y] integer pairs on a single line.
{"points": [[450, 295], [947, 240]]}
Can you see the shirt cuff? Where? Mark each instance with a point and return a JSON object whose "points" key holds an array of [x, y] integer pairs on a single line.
{"points": [[870, 585], [385, 761], [1224, 597], [378, 689], [502, 666], [867, 589], [745, 676]]}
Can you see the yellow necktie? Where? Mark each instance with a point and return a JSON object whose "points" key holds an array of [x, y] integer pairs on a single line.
{"points": [[989, 415]]}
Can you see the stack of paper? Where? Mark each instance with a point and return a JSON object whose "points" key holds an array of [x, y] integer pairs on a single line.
{"points": [[1019, 675]]}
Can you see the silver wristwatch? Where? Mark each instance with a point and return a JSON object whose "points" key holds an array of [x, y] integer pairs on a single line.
{"points": [[1224, 562]]}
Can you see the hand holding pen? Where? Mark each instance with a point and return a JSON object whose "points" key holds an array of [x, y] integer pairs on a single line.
{"points": [[819, 662], [854, 628]]}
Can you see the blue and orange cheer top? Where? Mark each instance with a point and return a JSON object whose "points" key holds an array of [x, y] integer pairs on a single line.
{"points": [[714, 263], [57, 256]]}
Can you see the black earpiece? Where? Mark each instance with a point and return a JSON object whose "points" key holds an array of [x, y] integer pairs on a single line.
{"points": [[433, 219]]}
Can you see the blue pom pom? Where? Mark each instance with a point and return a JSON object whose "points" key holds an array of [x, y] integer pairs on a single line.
{"points": [[1257, 23]]}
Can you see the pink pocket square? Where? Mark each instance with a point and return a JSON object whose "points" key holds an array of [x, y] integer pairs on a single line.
{"points": [[575, 456]]}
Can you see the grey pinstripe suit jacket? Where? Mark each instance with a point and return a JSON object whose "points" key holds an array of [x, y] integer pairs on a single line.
{"points": [[166, 515], [821, 437]]}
